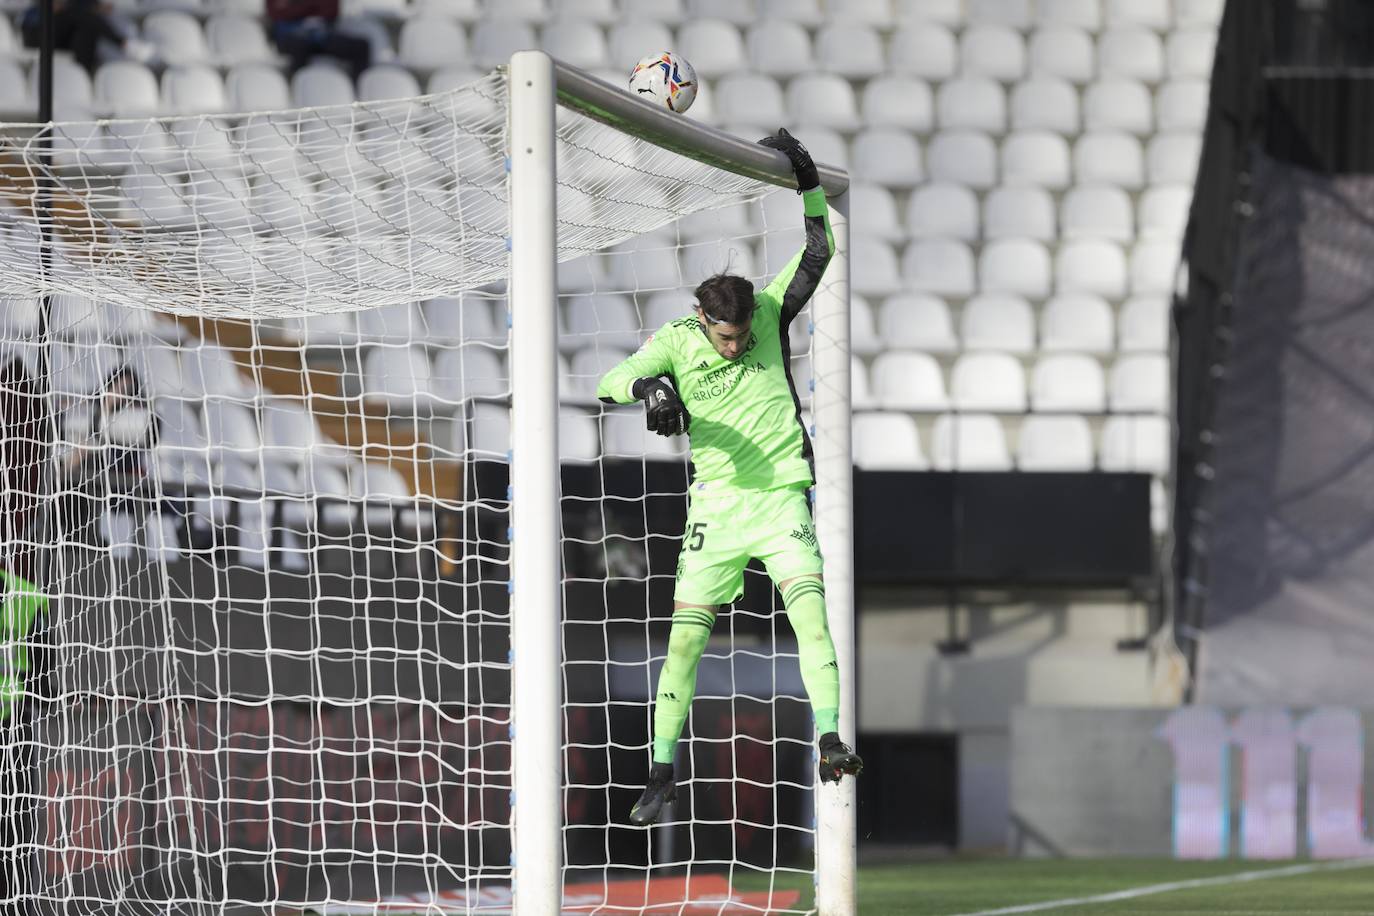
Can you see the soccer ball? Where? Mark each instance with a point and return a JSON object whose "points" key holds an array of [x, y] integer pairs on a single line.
{"points": [[665, 79]]}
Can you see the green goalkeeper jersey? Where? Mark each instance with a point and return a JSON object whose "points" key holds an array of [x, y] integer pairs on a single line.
{"points": [[746, 429]]}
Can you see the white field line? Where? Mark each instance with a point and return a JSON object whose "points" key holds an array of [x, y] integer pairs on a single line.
{"points": [[1287, 871]]}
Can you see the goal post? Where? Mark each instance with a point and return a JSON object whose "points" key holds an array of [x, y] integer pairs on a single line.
{"points": [[535, 81]]}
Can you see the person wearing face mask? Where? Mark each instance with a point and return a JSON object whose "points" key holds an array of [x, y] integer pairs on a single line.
{"points": [[720, 377]]}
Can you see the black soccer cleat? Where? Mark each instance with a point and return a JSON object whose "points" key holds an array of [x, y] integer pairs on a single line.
{"points": [[660, 791], [837, 758]]}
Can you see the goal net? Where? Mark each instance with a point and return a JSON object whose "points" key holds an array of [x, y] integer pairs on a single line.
{"points": [[257, 426]]}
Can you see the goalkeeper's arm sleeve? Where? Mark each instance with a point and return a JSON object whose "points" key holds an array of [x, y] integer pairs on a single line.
{"points": [[652, 360], [793, 287]]}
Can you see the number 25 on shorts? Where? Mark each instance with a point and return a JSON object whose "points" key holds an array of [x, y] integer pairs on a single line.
{"points": [[695, 535]]}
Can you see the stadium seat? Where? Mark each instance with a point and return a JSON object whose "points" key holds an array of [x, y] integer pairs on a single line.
{"points": [[822, 100], [668, 12], [13, 96], [805, 12], [332, 329], [1182, 105], [940, 266], [997, 321], [1172, 158], [451, 78], [1097, 213], [1189, 53], [125, 89], [908, 381], [962, 157], [1152, 14], [472, 318], [578, 437], [587, 367], [1118, 104], [639, 34], [1140, 384], [289, 433], [231, 429], [488, 436], [863, 328], [989, 382], [1164, 212], [1109, 158], [714, 47], [1081, 14], [969, 442], [1019, 212], [469, 11], [495, 40], [316, 85], [155, 201], [1063, 53], [608, 319], [1142, 444], [1131, 53], [577, 41], [73, 96], [390, 324], [875, 13], [972, 103], [1076, 323], [750, 98], [946, 12], [888, 156], [874, 208], [472, 370], [1067, 382], [1144, 324], [917, 321], [873, 267], [1054, 443], [825, 145], [256, 87], [995, 52], [1037, 158], [177, 36], [923, 50], [20, 315], [780, 48], [1045, 103], [1018, 266], [374, 31], [943, 211], [887, 442], [1206, 13], [667, 306], [193, 90], [623, 436], [1093, 266], [398, 379], [1015, 14], [10, 43], [735, 12], [428, 42], [900, 102], [1154, 267], [235, 39], [851, 49], [76, 318], [387, 81]]}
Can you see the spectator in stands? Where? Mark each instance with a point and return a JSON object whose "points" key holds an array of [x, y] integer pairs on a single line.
{"points": [[23, 439], [302, 28], [79, 26]]}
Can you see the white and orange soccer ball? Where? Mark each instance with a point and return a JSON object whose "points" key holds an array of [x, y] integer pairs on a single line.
{"points": [[665, 79]]}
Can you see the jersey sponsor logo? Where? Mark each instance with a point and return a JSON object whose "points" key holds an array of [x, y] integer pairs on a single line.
{"points": [[722, 381]]}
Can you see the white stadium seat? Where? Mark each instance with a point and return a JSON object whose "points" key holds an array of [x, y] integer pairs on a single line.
{"points": [[1154, 266], [735, 12], [877, 13], [495, 40], [1109, 158], [825, 144], [211, 369], [946, 12], [805, 12], [332, 329], [670, 12], [962, 157], [316, 85], [399, 379], [13, 93], [940, 266], [471, 371], [887, 442], [1019, 266], [193, 90], [714, 47], [1100, 212], [899, 101], [924, 50], [917, 321], [822, 100], [780, 48], [236, 39], [1145, 324], [1152, 14], [998, 321], [1019, 212], [578, 436], [1140, 384], [1189, 53], [608, 319], [1076, 323], [750, 98], [1118, 104], [71, 88], [908, 381], [988, 381], [874, 208], [588, 365], [125, 89], [488, 438], [1063, 52], [1199, 12], [888, 156], [1037, 158], [638, 35], [470, 318], [863, 328], [969, 442], [873, 270], [1172, 158], [1069, 382], [231, 429], [1093, 266], [1142, 444], [623, 435], [256, 87], [1082, 14], [429, 42], [943, 211], [387, 81], [1133, 53], [1013, 13], [860, 393], [995, 52], [1045, 103], [577, 41], [1164, 212], [972, 103], [177, 36], [1054, 443], [389, 324], [468, 11], [850, 49], [1182, 105]]}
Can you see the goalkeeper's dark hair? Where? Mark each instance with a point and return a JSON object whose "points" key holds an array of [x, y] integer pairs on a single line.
{"points": [[726, 299]]}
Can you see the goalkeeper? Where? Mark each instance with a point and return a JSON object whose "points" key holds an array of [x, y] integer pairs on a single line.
{"points": [[733, 395]]}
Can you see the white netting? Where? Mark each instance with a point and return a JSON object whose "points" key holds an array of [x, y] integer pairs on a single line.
{"points": [[272, 667]]}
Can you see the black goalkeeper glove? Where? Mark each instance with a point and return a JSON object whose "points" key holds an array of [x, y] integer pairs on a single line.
{"points": [[664, 412], [802, 164]]}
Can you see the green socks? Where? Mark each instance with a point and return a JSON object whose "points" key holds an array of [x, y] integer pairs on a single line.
{"points": [[805, 603], [677, 681]]}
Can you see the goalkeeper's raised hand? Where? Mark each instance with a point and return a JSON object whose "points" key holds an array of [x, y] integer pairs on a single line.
{"points": [[802, 164], [664, 412]]}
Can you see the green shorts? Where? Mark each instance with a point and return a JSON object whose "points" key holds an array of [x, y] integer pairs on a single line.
{"points": [[725, 530]]}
